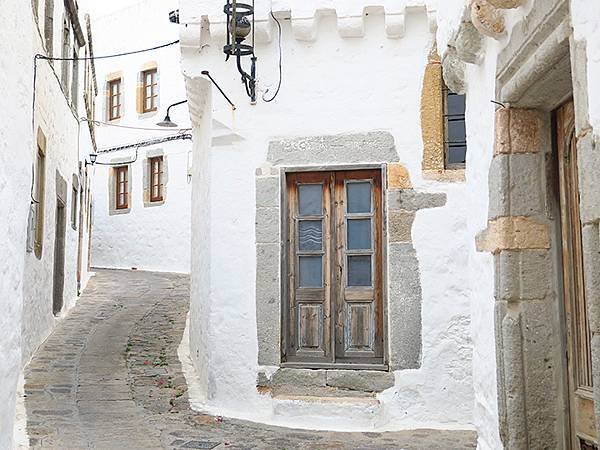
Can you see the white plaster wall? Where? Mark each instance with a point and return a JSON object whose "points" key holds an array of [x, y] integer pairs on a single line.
{"points": [[62, 130], [480, 136], [16, 41], [585, 18], [153, 238], [330, 85], [148, 238]]}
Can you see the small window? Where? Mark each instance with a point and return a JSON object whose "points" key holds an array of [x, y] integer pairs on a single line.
{"points": [[74, 201], [49, 27], [75, 81], [35, 4], [156, 166], [122, 193], [66, 53], [114, 99], [150, 90], [455, 135], [156, 188], [39, 189]]}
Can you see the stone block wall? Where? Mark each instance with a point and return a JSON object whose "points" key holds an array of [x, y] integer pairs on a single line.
{"points": [[520, 236]]}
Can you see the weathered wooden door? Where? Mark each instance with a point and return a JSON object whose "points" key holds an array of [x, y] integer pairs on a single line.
{"points": [[59, 257], [582, 417], [334, 305]]}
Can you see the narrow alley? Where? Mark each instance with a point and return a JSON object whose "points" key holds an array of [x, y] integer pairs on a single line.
{"points": [[109, 378], [300, 224]]}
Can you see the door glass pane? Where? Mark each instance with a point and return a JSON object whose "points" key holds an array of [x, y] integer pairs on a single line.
{"points": [[359, 234], [310, 235], [310, 202], [359, 271], [359, 197], [311, 271]]}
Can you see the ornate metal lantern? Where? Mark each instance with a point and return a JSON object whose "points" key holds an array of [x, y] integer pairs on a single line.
{"points": [[240, 25]]}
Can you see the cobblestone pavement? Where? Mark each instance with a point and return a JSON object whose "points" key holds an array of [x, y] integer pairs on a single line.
{"points": [[109, 378]]}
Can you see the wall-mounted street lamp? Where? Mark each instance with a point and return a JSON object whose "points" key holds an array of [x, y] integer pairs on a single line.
{"points": [[240, 25], [93, 157], [167, 122]]}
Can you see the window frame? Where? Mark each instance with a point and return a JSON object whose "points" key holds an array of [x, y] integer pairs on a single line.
{"points": [[156, 179], [111, 98], [447, 118], [49, 28], [74, 202], [66, 54], [118, 183], [39, 190], [153, 90]]}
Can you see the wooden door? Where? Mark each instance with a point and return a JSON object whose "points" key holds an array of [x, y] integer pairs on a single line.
{"points": [[358, 262], [334, 305], [582, 417], [309, 256], [59, 257]]}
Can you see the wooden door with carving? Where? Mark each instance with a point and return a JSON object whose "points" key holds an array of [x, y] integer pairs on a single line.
{"points": [[581, 402]]}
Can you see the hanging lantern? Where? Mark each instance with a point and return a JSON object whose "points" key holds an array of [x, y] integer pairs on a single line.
{"points": [[240, 25]]}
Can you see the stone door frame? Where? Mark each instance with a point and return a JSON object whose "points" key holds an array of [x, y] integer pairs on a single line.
{"points": [[541, 67]]}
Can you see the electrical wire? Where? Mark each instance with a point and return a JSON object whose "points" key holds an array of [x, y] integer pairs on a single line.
{"points": [[107, 124], [148, 142], [116, 55], [280, 65]]}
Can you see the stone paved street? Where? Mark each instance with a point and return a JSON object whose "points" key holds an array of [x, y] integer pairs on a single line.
{"points": [[109, 378]]}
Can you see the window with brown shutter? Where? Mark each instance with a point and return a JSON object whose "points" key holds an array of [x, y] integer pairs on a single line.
{"points": [[334, 300], [149, 90], [156, 165], [121, 191], [114, 99]]}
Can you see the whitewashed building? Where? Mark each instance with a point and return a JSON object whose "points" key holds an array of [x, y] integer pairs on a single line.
{"points": [[330, 253], [142, 176], [350, 271], [44, 185]]}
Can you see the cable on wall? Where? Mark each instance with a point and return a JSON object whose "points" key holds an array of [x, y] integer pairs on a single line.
{"points": [[148, 143], [116, 55], [280, 66]]}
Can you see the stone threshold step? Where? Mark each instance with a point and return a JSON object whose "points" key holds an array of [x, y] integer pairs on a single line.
{"points": [[359, 401]]}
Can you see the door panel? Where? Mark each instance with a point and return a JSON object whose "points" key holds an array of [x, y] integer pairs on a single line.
{"points": [[359, 314], [582, 416], [59, 257], [334, 308], [308, 324]]}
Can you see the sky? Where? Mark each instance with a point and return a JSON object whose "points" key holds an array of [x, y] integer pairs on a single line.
{"points": [[98, 8]]}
